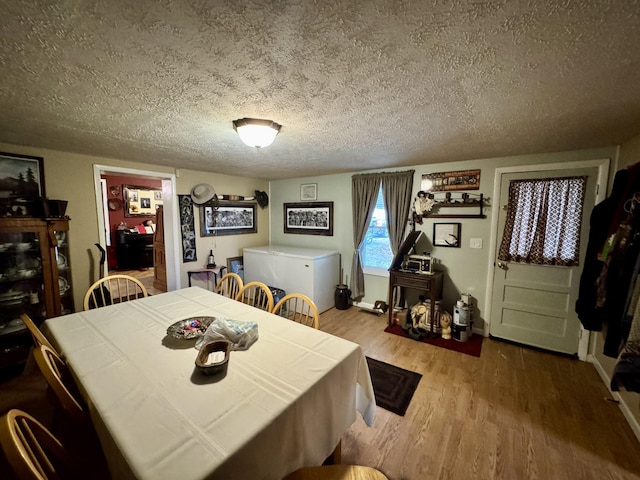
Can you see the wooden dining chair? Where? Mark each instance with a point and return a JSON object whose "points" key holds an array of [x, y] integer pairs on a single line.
{"points": [[35, 453], [299, 308], [32, 451], [59, 379], [337, 472], [229, 285], [37, 335], [256, 294], [113, 289]]}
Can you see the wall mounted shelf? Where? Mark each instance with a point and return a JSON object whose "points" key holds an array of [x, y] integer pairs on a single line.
{"points": [[445, 201]]}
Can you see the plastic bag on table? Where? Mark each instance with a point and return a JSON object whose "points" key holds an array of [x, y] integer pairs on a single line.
{"points": [[241, 334]]}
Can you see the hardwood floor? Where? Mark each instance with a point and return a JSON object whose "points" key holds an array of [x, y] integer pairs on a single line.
{"points": [[145, 275], [513, 413]]}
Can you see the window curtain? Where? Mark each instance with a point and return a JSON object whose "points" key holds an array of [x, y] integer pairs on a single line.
{"points": [[396, 193], [543, 222], [364, 193]]}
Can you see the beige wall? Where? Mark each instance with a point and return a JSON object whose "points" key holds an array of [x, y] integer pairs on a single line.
{"points": [[69, 176]]}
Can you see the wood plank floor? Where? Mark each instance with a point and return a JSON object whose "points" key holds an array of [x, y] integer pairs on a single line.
{"points": [[513, 413]]}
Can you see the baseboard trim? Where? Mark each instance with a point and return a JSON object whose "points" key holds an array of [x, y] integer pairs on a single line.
{"points": [[631, 420]]}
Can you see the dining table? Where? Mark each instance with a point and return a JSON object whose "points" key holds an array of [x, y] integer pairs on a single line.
{"points": [[282, 404]]}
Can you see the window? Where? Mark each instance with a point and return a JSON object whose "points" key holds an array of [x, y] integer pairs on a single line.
{"points": [[376, 250], [543, 223]]}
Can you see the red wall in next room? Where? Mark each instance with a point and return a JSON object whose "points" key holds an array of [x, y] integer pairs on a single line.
{"points": [[117, 216]]}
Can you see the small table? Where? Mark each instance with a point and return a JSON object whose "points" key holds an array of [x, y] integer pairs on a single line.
{"points": [[430, 284], [215, 271]]}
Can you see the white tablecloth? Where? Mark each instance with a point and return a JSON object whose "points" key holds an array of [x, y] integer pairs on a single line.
{"points": [[283, 404]]}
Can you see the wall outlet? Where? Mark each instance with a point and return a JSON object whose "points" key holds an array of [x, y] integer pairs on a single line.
{"points": [[475, 243]]}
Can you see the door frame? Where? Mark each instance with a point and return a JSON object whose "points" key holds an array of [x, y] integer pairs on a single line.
{"points": [[603, 166], [170, 203]]}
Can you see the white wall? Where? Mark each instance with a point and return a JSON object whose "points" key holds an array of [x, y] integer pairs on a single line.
{"points": [[465, 268]]}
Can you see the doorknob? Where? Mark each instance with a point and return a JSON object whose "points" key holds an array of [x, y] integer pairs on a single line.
{"points": [[503, 266]]}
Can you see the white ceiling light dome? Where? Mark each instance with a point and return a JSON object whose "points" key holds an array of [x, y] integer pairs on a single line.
{"points": [[256, 132]]}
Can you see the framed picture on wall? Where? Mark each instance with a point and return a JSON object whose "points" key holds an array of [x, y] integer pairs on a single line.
{"points": [[310, 218], [141, 201], [227, 218], [236, 265], [308, 191], [446, 234], [22, 176]]}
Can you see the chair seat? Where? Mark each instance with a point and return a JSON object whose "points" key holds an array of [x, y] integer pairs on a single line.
{"points": [[337, 472]]}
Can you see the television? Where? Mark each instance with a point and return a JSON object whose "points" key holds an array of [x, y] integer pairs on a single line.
{"points": [[404, 249]]}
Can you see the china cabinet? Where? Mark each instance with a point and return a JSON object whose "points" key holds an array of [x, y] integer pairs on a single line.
{"points": [[35, 278]]}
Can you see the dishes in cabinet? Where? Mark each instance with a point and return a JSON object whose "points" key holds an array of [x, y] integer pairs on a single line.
{"points": [[23, 246], [61, 261], [32, 263], [15, 325], [60, 237], [63, 285], [11, 297]]}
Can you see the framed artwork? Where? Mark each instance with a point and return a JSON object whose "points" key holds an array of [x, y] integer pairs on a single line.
{"points": [[311, 218], [21, 176], [446, 234], [227, 218], [446, 181], [309, 191], [236, 265], [141, 201], [187, 229]]}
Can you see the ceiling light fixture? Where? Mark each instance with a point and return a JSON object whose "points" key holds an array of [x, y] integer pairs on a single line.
{"points": [[256, 133]]}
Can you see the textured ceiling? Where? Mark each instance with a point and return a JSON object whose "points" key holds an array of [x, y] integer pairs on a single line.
{"points": [[356, 84]]}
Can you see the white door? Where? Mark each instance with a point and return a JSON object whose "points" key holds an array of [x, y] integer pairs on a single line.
{"points": [[535, 304]]}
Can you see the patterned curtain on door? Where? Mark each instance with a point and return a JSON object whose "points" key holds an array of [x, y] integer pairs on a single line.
{"points": [[544, 218]]}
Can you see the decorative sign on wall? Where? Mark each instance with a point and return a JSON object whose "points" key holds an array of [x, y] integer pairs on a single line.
{"points": [[443, 181], [187, 229]]}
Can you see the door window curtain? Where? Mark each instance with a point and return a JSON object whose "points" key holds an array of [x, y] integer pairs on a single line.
{"points": [[544, 218], [396, 192]]}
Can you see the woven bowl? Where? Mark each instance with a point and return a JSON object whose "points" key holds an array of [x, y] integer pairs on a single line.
{"points": [[205, 363]]}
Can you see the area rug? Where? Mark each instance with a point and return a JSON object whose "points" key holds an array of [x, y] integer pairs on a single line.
{"points": [[393, 386], [473, 346]]}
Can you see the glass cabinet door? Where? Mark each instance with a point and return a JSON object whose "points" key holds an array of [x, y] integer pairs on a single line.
{"points": [[61, 258], [21, 279], [35, 279]]}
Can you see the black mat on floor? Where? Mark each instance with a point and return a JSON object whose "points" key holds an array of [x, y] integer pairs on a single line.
{"points": [[393, 386]]}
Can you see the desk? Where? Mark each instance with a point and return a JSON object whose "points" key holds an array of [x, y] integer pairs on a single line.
{"points": [[430, 284], [215, 271], [284, 403]]}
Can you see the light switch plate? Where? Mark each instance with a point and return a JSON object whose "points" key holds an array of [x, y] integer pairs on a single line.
{"points": [[475, 243]]}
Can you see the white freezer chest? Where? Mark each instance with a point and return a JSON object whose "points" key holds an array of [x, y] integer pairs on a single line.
{"points": [[310, 271]]}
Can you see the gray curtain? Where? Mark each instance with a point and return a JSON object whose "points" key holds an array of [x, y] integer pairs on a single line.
{"points": [[396, 192], [364, 193]]}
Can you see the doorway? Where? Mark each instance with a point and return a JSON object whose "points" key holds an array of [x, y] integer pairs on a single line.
{"points": [[534, 305], [170, 208]]}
